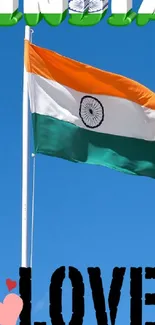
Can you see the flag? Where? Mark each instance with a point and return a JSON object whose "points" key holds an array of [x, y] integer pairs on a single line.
{"points": [[86, 115]]}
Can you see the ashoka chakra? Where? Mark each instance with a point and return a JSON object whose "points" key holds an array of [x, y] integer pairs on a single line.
{"points": [[91, 112]]}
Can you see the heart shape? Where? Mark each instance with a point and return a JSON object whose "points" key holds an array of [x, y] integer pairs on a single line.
{"points": [[11, 284], [10, 309]]}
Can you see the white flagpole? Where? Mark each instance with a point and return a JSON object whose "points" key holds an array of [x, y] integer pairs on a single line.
{"points": [[24, 257]]}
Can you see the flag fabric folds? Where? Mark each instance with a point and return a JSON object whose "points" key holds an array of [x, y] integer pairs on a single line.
{"points": [[86, 115]]}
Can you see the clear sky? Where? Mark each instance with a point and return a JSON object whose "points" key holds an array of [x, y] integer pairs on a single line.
{"points": [[84, 215]]}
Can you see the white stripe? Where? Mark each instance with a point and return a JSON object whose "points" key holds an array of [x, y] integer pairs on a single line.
{"points": [[121, 117], [45, 6]]}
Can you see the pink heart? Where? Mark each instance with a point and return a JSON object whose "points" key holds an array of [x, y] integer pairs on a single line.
{"points": [[10, 309]]}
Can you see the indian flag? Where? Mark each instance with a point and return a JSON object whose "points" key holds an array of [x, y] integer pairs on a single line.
{"points": [[87, 115]]}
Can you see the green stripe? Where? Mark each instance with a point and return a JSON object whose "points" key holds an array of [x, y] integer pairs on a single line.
{"points": [[64, 140]]}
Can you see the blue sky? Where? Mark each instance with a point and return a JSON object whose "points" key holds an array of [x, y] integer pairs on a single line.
{"points": [[84, 215]]}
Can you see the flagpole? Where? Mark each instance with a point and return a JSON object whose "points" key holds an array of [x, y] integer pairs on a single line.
{"points": [[24, 270], [24, 257]]}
